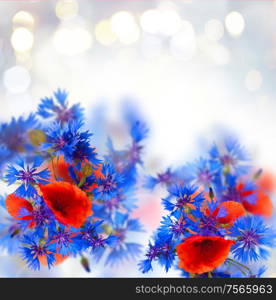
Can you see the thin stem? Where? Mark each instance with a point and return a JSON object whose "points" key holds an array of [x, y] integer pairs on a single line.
{"points": [[53, 166], [240, 264]]}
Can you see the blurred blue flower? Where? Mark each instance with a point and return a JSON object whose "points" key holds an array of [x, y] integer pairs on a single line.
{"points": [[139, 131], [10, 230], [202, 172], [15, 139], [231, 157], [57, 107]]}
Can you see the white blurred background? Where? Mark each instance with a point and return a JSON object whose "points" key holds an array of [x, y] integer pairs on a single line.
{"points": [[193, 68]]}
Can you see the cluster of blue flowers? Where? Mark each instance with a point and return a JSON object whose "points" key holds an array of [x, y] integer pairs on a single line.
{"points": [[67, 200], [216, 225]]}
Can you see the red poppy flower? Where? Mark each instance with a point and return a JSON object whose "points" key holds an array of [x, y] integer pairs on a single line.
{"points": [[233, 209], [70, 204], [200, 254], [19, 207], [263, 205], [266, 182], [60, 168]]}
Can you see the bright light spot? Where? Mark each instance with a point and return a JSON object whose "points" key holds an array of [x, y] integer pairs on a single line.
{"points": [[150, 21], [183, 44], [234, 23], [164, 21], [104, 33], [170, 22], [167, 5], [17, 79], [124, 26], [214, 30], [72, 41], [67, 9], [215, 52], [22, 39], [253, 80], [23, 18]]}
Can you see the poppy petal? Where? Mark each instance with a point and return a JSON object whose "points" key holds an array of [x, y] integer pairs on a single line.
{"points": [[266, 182], [16, 206], [262, 207], [200, 254], [59, 168], [70, 204], [233, 209]]}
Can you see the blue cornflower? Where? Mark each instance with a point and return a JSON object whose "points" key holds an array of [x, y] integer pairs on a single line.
{"points": [[123, 228], [14, 135], [69, 141], [58, 108], [206, 222], [246, 191], [83, 151], [139, 131], [202, 172], [122, 200], [182, 196], [116, 157], [172, 227], [125, 251], [63, 241], [252, 238], [62, 140], [91, 237], [231, 157], [4, 155], [126, 161], [28, 175], [36, 248], [166, 178], [163, 251], [152, 254], [109, 183], [133, 155], [40, 216], [209, 225]]}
